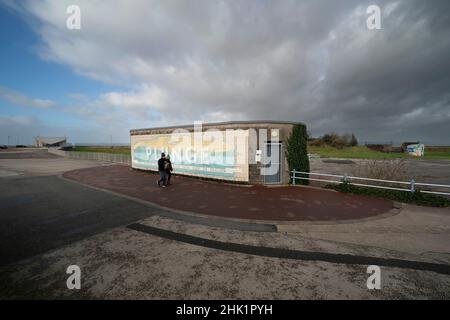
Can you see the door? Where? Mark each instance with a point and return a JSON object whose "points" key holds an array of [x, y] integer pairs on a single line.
{"points": [[272, 168]]}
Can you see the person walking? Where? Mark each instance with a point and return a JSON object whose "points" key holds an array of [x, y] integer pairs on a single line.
{"points": [[162, 170], [169, 169]]}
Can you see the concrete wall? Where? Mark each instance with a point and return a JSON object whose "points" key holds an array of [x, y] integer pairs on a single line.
{"points": [[284, 130]]}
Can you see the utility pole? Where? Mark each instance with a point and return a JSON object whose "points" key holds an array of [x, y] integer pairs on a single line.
{"points": [[8, 140]]}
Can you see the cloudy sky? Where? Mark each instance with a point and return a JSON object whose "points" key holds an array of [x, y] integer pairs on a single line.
{"points": [[141, 63]]}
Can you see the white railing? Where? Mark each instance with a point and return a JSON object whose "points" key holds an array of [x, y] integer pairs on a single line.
{"points": [[410, 185]]}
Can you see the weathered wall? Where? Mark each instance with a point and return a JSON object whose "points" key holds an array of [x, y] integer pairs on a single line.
{"points": [[284, 131], [225, 161]]}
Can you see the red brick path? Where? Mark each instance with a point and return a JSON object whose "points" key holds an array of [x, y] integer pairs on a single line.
{"points": [[219, 199]]}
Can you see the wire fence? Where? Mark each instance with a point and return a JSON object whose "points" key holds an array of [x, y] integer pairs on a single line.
{"points": [[101, 156], [407, 186]]}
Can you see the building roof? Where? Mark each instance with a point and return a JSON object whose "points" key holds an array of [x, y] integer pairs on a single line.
{"points": [[227, 123], [50, 140]]}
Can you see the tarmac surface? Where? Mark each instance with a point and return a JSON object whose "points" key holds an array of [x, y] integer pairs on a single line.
{"points": [[35, 154], [43, 213], [25, 163], [284, 203]]}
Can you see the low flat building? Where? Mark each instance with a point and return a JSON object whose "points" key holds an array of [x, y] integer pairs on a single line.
{"points": [[47, 142], [250, 152]]}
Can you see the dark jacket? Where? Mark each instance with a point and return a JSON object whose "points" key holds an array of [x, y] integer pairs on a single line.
{"points": [[161, 162], [168, 166]]}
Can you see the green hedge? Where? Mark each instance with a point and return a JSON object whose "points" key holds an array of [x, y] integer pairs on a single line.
{"points": [[417, 197], [296, 151]]}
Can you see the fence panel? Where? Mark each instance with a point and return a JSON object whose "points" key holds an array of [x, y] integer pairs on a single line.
{"points": [[347, 179], [99, 156]]}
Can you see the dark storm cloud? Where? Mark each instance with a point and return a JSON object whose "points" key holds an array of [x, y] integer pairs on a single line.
{"points": [[311, 61]]}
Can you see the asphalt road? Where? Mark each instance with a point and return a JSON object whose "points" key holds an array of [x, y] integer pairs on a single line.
{"points": [[27, 155], [38, 214]]}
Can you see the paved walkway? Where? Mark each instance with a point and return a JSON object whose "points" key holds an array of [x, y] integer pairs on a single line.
{"points": [[219, 199]]}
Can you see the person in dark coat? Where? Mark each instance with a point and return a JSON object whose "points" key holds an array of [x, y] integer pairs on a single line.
{"points": [[162, 170], [169, 169]]}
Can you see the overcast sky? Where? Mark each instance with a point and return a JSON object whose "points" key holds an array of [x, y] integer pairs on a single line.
{"points": [[154, 63]]}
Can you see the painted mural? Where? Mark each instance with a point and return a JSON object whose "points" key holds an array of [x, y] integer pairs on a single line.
{"points": [[191, 155]]}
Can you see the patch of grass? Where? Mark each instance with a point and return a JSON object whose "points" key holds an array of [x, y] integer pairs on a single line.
{"points": [[362, 152], [116, 150], [437, 155], [419, 198]]}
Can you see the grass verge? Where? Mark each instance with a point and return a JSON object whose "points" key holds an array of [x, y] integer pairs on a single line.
{"points": [[362, 152], [115, 150], [419, 198]]}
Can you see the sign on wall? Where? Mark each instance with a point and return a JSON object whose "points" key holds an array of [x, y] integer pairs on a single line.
{"points": [[198, 154]]}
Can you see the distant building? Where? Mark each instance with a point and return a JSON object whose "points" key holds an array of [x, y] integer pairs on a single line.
{"points": [[45, 142], [406, 144]]}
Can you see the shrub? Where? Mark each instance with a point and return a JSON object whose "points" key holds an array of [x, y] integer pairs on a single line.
{"points": [[353, 141], [383, 148], [296, 150], [382, 169], [316, 142], [335, 140], [329, 138], [376, 147], [416, 197]]}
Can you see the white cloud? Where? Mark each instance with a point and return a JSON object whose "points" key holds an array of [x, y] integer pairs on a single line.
{"points": [[21, 99], [146, 97], [16, 120]]}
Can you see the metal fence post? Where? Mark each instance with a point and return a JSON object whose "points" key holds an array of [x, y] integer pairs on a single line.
{"points": [[344, 178], [293, 177], [412, 185]]}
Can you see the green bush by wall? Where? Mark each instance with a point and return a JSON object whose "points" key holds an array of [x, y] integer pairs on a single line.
{"points": [[296, 151]]}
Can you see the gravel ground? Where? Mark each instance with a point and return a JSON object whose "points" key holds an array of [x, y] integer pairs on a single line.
{"points": [[429, 171], [124, 263]]}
